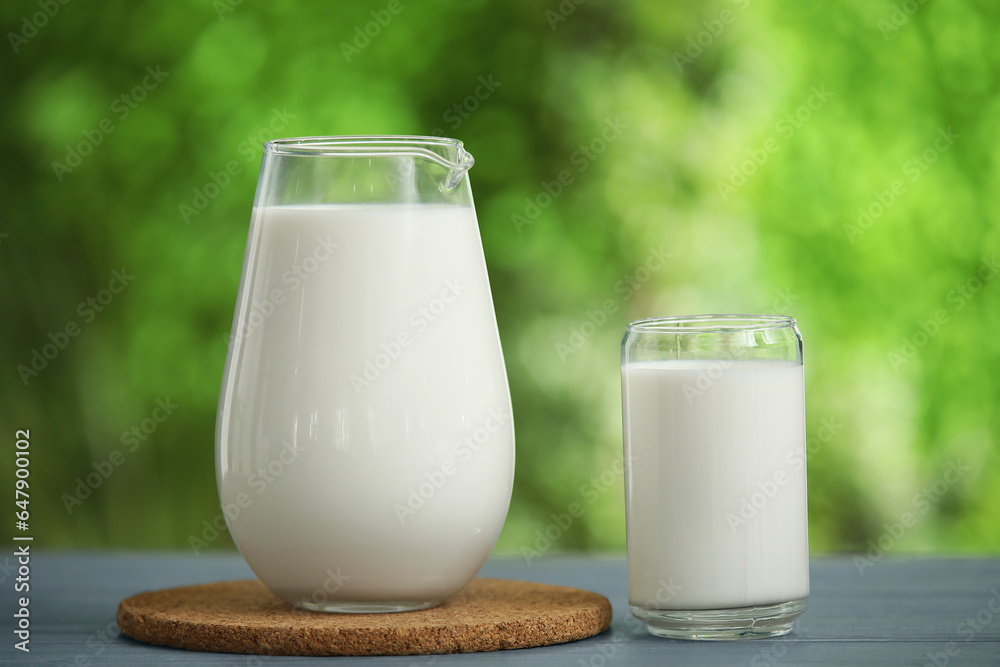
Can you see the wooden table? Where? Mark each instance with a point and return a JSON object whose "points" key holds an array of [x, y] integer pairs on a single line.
{"points": [[900, 611]]}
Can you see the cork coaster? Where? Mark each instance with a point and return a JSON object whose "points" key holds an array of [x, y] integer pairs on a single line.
{"points": [[245, 617]]}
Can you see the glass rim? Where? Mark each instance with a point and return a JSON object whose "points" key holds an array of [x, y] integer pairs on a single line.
{"points": [[715, 323], [364, 145]]}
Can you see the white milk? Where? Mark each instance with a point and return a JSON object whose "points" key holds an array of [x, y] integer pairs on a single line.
{"points": [[369, 437], [717, 483]]}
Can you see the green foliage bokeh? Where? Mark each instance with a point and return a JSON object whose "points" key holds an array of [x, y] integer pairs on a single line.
{"points": [[781, 153]]}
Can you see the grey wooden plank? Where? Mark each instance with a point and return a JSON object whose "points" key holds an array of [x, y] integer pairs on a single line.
{"points": [[900, 611]]}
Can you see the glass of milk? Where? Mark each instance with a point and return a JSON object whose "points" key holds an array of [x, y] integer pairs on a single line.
{"points": [[715, 475], [364, 441]]}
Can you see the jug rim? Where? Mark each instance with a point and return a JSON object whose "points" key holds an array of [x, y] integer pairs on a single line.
{"points": [[366, 143], [445, 151]]}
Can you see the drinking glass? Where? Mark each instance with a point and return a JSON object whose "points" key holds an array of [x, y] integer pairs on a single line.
{"points": [[364, 442], [714, 437]]}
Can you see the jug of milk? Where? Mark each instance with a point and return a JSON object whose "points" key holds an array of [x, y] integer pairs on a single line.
{"points": [[364, 441]]}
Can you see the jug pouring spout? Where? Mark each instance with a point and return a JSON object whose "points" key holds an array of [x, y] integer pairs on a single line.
{"points": [[457, 169]]}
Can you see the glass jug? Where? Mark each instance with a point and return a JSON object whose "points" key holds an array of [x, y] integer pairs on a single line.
{"points": [[364, 442]]}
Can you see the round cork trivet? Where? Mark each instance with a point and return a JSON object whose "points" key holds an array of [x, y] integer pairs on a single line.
{"points": [[245, 617]]}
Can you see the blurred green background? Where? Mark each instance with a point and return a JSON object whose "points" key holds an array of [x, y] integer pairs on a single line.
{"points": [[832, 161]]}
